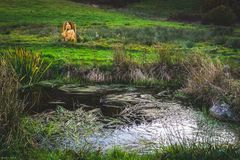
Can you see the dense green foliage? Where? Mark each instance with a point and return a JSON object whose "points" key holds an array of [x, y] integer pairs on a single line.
{"points": [[220, 15], [164, 8], [233, 4]]}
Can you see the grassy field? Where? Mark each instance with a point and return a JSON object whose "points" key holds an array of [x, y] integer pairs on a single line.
{"points": [[55, 12], [37, 24]]}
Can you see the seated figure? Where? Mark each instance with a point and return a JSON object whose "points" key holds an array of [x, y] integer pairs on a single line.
{"points": [[69, 32]]}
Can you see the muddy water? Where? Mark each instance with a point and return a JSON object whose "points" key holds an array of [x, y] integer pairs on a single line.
{"points": [[160, 122]]}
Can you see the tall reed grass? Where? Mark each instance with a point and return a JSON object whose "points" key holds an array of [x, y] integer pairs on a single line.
{"points": [[11, 110], [29, 66], [210, 81]]}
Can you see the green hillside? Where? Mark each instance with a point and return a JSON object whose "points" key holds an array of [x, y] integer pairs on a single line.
{"points": [[37, 25]]}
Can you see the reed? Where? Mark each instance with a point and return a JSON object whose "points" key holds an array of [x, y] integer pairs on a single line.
{"points": [[29, 66]]}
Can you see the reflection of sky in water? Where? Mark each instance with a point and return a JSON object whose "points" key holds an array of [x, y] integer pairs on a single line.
{"points": [[178, 125]]}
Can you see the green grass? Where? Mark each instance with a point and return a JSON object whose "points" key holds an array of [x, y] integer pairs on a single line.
{"points": [[36, 25], [166, 153], [55, 12]]}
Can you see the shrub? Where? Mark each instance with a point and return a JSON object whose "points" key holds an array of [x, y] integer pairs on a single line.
{"points": [[9, 109], [233, 4], [167, 65], [221, 31], [233, 43], [185, 16], [168, 55], [220, 15], [210, 4], [236, 8], [220, 40]]}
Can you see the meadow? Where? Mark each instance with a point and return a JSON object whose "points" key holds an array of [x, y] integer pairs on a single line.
{"points": [[38, 28]]}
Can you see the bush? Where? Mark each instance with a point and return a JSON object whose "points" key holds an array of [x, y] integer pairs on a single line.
{"points": [[233, 43], [208, 5], [9, 110], [220, 15], [236, 8], [219, 40], [185, 16]]}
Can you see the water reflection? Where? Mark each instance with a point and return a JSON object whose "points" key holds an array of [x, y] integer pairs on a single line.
{"points": [[176, 126], [166, 122]]}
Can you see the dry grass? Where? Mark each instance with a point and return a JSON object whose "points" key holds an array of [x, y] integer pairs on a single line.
{"points": [[203, 76], [210, 81], [168, 65], [125, 68], [96, 75]]}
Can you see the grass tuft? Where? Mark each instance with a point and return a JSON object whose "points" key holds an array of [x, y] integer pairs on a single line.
{"points": [[29, 67]]}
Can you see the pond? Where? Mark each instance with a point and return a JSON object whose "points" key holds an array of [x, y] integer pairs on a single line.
{"points": [[145, 120]]}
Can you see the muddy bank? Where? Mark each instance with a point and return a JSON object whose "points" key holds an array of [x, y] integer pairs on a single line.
{"points": [[46, 97]]}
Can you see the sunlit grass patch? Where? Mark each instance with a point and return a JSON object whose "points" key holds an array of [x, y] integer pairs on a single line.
{"points": [[54, 12]]}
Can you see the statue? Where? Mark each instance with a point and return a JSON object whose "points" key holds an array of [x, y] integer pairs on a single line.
{"points": [[69, 32]]}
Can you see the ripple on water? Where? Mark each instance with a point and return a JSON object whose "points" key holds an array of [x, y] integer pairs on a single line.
{"points": [[167, 122], [177, 125]]}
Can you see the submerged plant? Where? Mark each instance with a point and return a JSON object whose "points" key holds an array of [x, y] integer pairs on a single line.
{"points": [[29, 66], [65, 129]]}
